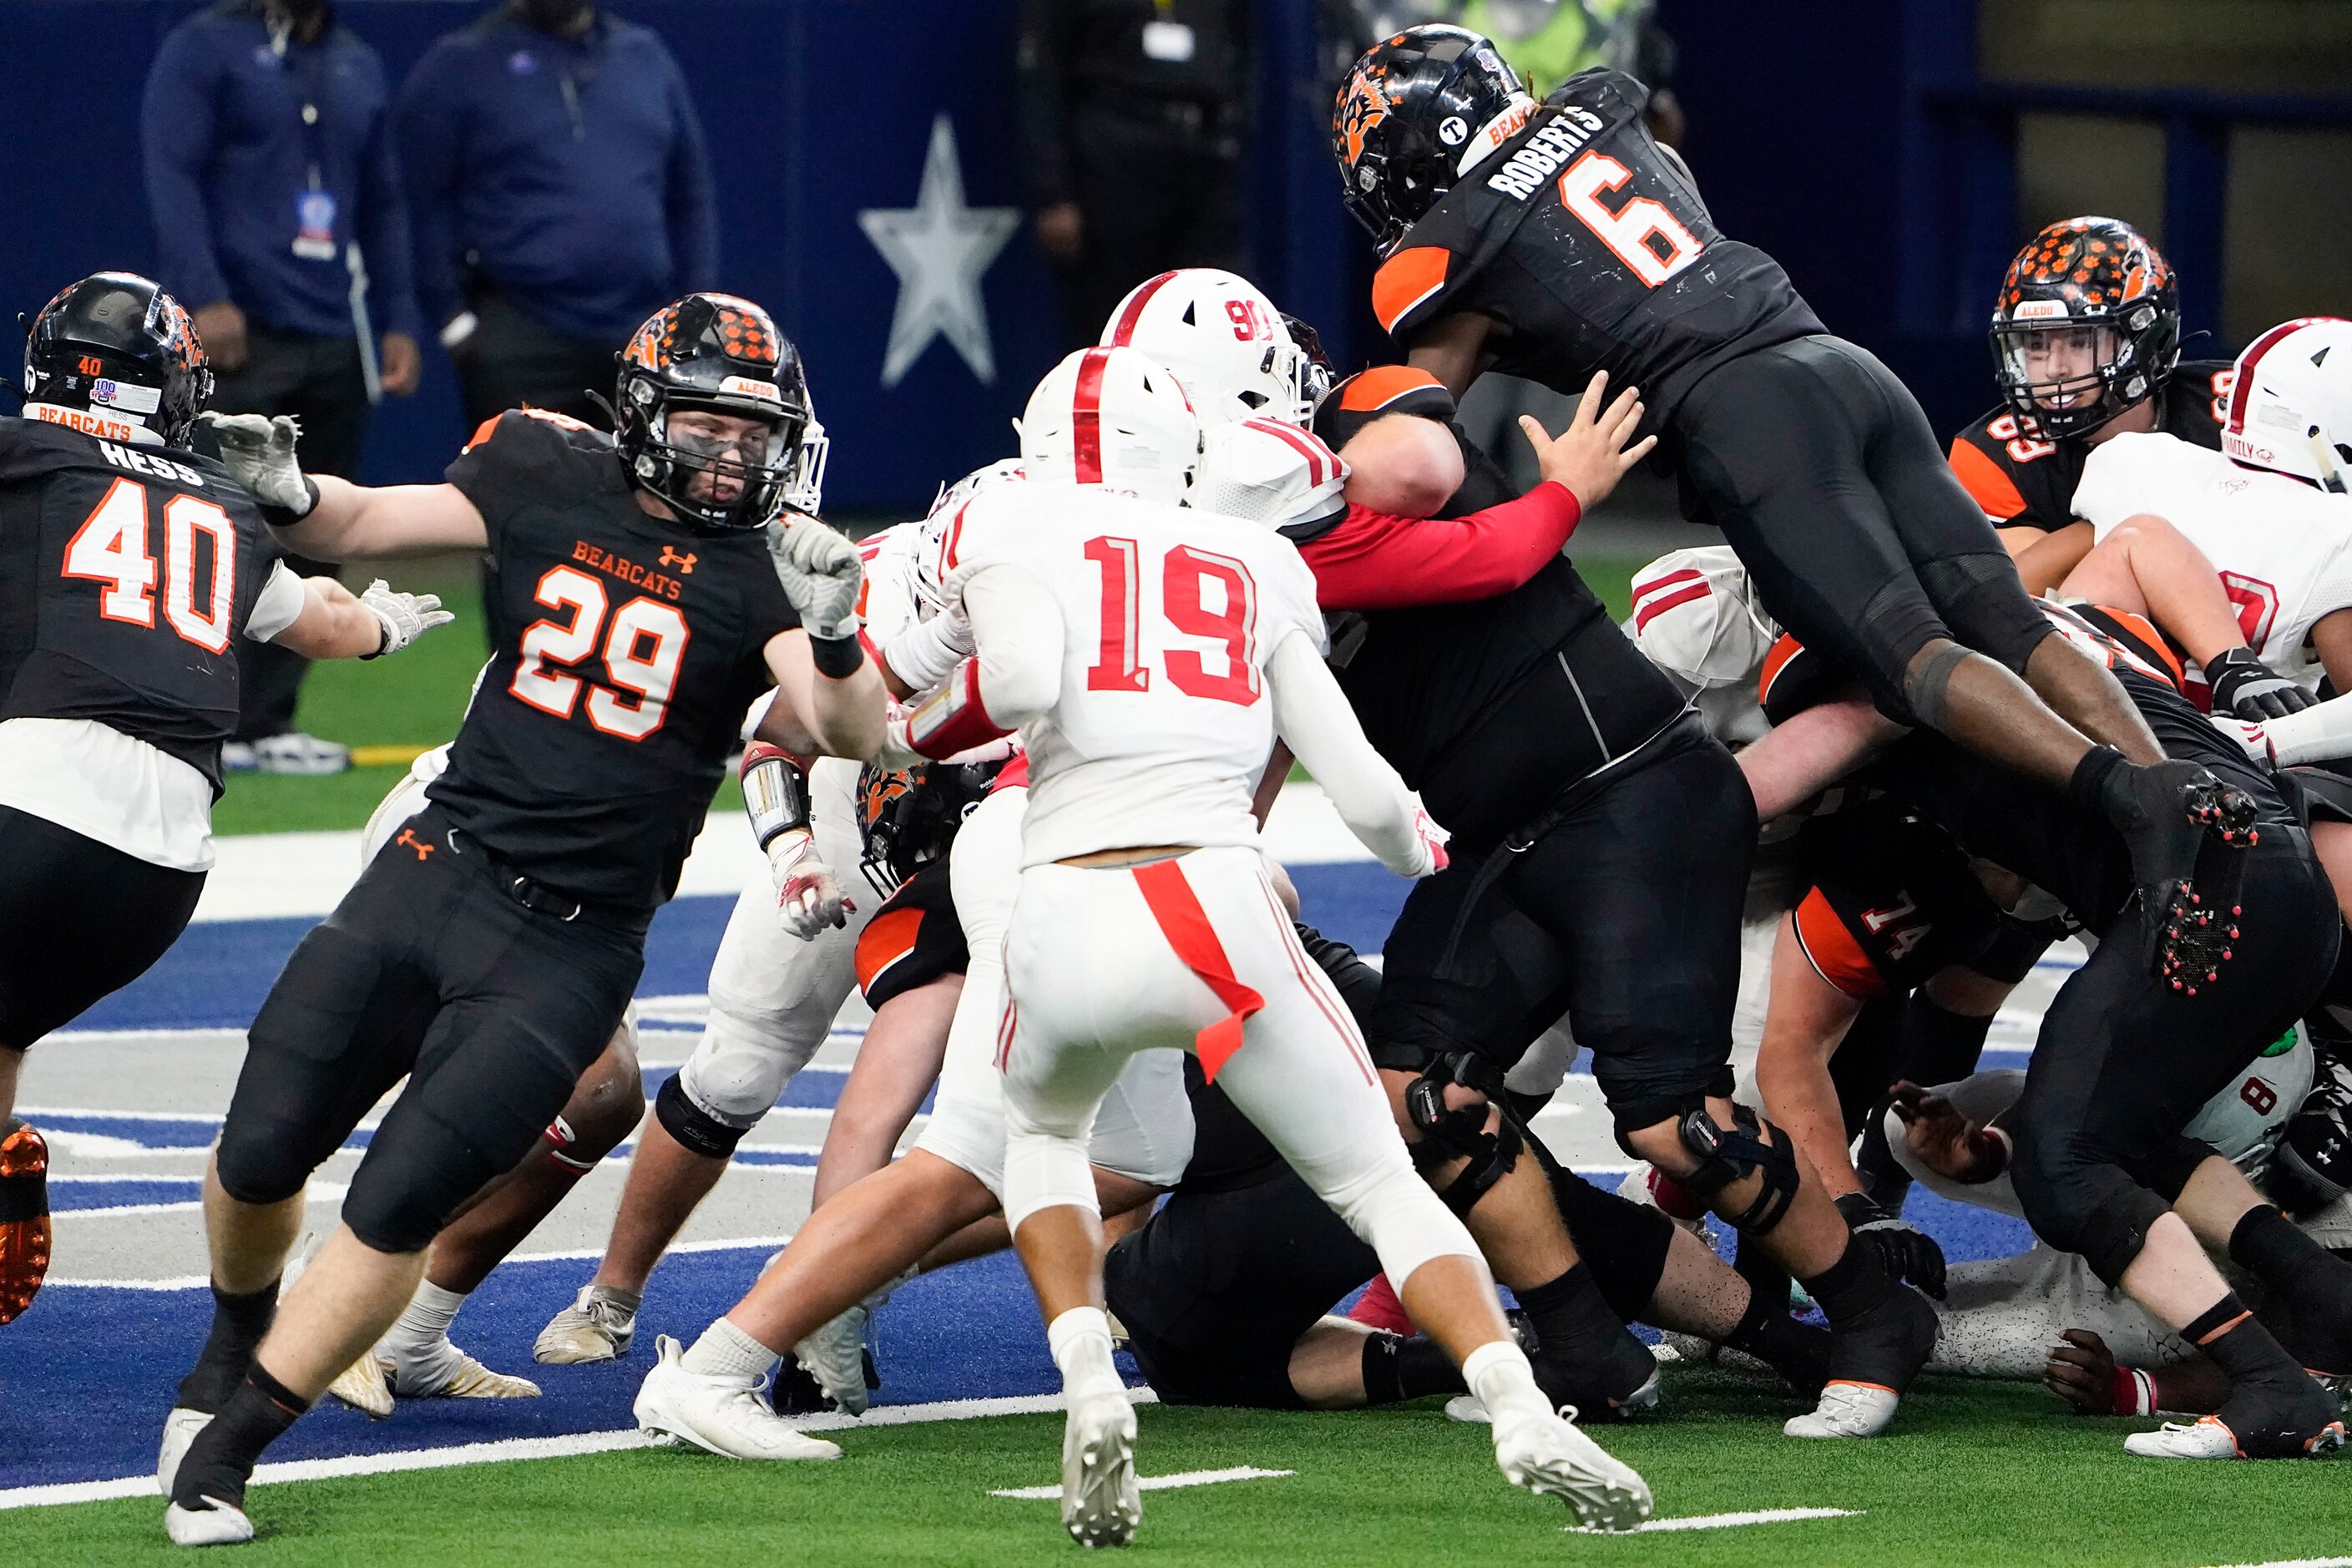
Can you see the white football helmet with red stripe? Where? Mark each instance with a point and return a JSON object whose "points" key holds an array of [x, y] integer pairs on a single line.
{"points": [[1696, 617], [1113, 417], [2291, 403], [936, 537], [1226, 342]]}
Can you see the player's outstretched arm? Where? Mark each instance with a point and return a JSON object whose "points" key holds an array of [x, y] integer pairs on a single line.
{"points": [[816, 714], [821, 672], [1312, 716], [1795, 760], [1452, 349], [336, 624], [329, 519]]}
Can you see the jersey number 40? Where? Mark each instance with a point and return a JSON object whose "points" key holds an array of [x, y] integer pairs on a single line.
{"points": [[110, 547], [1183, 573], [644, 643]]}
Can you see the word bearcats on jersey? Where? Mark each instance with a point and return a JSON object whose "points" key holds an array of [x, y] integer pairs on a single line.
{"points": [[1526, 171], [627, 570]]}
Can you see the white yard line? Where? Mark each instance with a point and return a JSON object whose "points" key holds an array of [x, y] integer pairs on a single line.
{"points": [[1156, 1483], [2298, 1562], [573, 1254], [514, 1449], [1726, 1520]]}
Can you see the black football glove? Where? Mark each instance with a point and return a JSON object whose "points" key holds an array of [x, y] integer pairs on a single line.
{"points": [[1910, 1252], [2243, 684]]}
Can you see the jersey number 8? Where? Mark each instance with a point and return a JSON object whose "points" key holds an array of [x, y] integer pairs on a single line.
{"points": [[1183, 570], [645, 642]]}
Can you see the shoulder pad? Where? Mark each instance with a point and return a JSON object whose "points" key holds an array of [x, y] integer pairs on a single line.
{"points": [[1407, 283], [1373, 393], [1263, 471], [1693, 617]]}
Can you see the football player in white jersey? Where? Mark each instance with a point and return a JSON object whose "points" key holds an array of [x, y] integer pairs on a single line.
{"points": [[2267, 518]]}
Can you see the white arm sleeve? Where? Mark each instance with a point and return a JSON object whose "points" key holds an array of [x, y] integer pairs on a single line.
{"points": [[1312, 714], [1018, 628], [2318, 734], [278, 605]]}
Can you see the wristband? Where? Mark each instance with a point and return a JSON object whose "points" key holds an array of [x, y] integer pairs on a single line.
{"points": [[775, 792], [286, 517], [1992, 1143], [837, 658], [952, 719], [2134, 1392]]}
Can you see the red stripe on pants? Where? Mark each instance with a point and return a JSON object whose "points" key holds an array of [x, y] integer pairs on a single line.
{"points": [[1186, 926]]}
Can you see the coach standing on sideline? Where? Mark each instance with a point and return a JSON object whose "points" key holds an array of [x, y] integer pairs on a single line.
{"points": [[268, 159], [563, 195]]}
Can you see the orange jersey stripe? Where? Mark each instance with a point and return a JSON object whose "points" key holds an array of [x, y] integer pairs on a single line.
{"points": [[887, 938], [1404, 280], [1382, 386], [1830, 948]]}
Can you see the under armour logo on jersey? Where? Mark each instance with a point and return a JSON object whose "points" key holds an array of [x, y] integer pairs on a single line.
{"points": [[408, 838], [681, 558]]}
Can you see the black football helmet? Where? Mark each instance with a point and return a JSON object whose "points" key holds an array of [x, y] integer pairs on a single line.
{"points": [[1409, 114], [116, 346], [719, 354], [2314, 1165], [2099, 281]]}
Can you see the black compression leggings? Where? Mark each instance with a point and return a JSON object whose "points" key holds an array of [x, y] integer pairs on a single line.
{"points": [[78, 919]]}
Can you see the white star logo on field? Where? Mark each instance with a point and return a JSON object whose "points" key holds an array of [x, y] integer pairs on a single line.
{"points": [[941, 249]]}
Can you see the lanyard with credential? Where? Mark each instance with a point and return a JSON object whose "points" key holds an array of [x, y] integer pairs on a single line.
{"points": [[314, 207]]}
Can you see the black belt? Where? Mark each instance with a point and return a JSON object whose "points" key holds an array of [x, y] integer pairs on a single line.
{"points": [[542, 900]]}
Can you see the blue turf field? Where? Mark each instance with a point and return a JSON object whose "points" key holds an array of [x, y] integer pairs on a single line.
{"points": [[87, 1374]]}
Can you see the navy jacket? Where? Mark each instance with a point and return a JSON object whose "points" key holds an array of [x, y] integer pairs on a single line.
{"points": [[229, 159], [572, 170]]}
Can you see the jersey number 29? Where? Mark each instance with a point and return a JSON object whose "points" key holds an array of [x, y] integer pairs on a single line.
{"points": [[1183, 571], [644, 641]]}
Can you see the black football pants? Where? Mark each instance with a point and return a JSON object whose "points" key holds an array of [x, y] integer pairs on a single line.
{"points": [[79, 921], [1825, 476]]}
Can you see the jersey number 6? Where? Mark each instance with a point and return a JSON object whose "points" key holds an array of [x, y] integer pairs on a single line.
{"points": [[1634, 230], [645, 642], [1183, 570]]}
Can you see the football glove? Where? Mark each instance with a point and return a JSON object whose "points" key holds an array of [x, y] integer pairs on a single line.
{"points": [[927, 652], [2244, 685], [258, 450], [809, 896], [821, 574], [1910, 1252], [405, 617]]}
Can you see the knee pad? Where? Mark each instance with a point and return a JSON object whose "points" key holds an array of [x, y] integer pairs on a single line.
{"points": [[257, 1164], [691, 1125], [1043, 1171], [1982, 601], [736, 1070], [1728, 1155], [2167, 1171], [1924, 688], [399, 1204], [1461, 1132], [2082, 1203], [1897, 622], [2112, 1235]]}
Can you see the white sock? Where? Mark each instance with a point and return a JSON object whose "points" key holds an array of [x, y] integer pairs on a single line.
{"points": [[726, 1350], [1080, 1340], [1498, 1374], [427, 1318]]}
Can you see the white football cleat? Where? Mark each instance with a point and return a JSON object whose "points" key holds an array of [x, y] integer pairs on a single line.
{"points": [[835, 1356], [1469, 1409], [722, 1415], [180, 1429], [2206, 1438], [1550, 1457], [1101, 1501], [597, 1326], [362, 1386], [448, 1372], [1846, 1410], [219, 1525]]}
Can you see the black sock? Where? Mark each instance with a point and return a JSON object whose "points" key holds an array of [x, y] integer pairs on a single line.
{"points": [[220, 1460], [2268, 1245], [1852, 1285], [2238, 1344], [1797, 1351], [1397, 1369], [2086, 789], [1570, 1312], [238, 1323]]}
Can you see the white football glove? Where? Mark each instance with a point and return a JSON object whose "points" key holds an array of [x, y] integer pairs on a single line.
{"points": [[405, 617], [808, 895], [258, 450], [821, 574]]}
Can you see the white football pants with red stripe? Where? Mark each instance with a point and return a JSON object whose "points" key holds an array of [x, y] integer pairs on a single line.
{"points": [[1102, 962]]}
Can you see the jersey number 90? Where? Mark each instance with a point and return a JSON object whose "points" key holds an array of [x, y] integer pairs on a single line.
{"points": [[644, 644]]}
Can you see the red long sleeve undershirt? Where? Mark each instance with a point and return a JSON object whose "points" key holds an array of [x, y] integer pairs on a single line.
{"points": [[1373, 560]]}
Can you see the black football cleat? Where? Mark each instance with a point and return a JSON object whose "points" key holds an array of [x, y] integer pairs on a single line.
{"points": [[1607, 1379], [2188, 833]]}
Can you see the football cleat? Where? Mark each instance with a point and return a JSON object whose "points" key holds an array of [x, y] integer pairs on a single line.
{"points": [[219, 1525], [455, 1376], [722, 1415], [835, 1356], [180, 1429], [1847, 1410], [1550, 1457], [597, 1326], [24, 1216], [364, 1386], [2187, 832], [1102, 1502]]}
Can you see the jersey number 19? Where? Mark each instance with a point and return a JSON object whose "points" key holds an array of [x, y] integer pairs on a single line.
{"points": [[1183, 571]]}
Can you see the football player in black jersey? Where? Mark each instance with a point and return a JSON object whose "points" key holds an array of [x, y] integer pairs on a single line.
{"points": [[112, 705], [1552, 240], [640, 593], [2086, 345]]}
